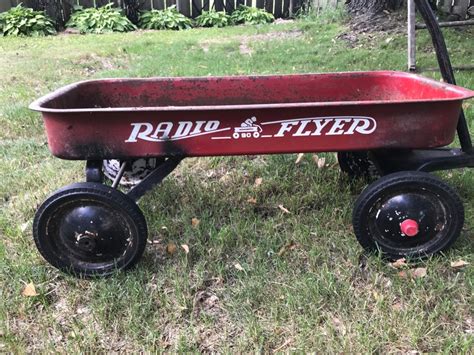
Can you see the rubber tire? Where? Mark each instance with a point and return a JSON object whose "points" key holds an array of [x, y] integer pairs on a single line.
{"points": [[450, 199], [358, 165], [105, 194]]}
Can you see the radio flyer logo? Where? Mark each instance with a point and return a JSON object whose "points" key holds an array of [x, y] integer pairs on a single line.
{"points": [[247, 129], [251, 129]]}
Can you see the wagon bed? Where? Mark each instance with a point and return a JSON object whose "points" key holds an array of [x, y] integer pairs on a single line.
{"points": [[205, 116]]}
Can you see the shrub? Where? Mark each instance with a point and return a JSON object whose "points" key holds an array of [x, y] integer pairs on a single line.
{"points": [[213, 19], [100, 20], [22, 21], [167, 19], [251, 16]]}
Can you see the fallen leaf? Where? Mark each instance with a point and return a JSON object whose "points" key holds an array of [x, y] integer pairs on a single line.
{"points": [[29, 290], [281, 207], [418, 272], [171, 248], [186, 248], [386, 282], [195, 222], [286, 248], [299, 158], [399, 263], [468, 329], [339, 325], [397, 306], [225, 178], [258, 182], [287, 342], [252, 200], [238, 267], [377, 296], [83, 310], [321, 162], [24, 227], [402, 274], [459, 264]]}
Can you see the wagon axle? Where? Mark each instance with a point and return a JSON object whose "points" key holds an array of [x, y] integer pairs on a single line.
{"points": [[86, 241]]}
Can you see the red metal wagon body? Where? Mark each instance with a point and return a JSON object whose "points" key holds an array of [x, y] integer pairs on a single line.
{"points": [[131, 118], [385, 125], [395, 120]]}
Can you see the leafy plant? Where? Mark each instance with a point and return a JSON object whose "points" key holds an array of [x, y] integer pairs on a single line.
{"points": [[167, 19], [213, 19], [251, 16], [22, 21], [100, 20]]}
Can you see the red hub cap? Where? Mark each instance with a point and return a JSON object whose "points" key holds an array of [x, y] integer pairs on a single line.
{"points": [[409, 227]]}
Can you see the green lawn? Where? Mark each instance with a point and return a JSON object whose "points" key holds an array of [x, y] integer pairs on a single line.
{"points": [[256, 278]]}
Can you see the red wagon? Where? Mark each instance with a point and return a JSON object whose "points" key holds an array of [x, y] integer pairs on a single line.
{"points": [[91, 228], [389, 123]]}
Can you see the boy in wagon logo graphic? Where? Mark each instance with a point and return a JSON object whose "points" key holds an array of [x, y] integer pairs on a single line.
{"points": [[247, 129], [298, 127]]}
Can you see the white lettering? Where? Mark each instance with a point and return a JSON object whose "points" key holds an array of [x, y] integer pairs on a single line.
{"points": [[211, 126], [299, 132], [183, 129], [337, 127], [365, 127], [137, 133], [303, 127], [354, 125], [285, 127], [164, 128], [197, 129], [320, 124]]}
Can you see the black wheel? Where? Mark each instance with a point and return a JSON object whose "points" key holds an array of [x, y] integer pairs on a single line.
{"points": [[89, 229], [358, 165], [408, 214]]}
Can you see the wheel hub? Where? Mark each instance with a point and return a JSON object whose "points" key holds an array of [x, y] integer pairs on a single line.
{"points": [[409, 227], [90, 231], [407, 216], [86, 241]]}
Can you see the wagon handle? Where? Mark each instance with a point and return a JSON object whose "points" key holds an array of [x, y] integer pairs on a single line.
{"points": [[445, 66]]}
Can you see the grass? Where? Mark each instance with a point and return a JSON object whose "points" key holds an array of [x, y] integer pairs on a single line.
{"points": [[256, 278]]}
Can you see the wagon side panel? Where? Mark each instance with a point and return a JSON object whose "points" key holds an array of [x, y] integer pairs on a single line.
{"points": [[106, 134]]}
